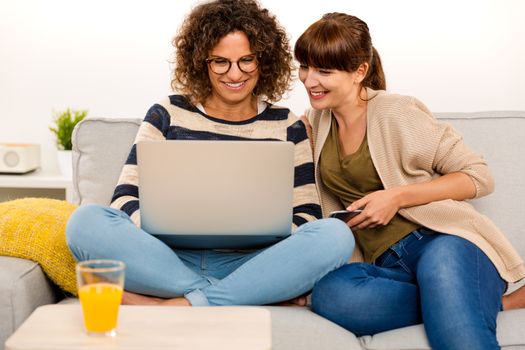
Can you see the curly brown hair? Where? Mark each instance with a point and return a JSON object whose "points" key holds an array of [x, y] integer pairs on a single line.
{"points": [[207, 24]]}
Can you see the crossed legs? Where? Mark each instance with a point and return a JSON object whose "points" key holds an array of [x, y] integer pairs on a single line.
{"points": [[278, 273]]}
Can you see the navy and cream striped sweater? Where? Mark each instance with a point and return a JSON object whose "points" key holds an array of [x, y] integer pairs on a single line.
{"points": [[176, 118]]}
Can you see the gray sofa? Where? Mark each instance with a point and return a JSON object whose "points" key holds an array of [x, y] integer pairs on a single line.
{"points": [[101, 146]]}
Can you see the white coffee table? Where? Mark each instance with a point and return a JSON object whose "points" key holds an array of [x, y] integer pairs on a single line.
{"points": [[148, 327]]}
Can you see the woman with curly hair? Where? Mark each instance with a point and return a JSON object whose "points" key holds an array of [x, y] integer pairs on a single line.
{"points": [[232, 60]]}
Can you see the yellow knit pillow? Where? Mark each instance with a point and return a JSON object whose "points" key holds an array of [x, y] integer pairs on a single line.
{"points": [[34, 229]]}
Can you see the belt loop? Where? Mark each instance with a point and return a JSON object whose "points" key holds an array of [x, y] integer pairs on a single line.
{"points": [[417, 234]]}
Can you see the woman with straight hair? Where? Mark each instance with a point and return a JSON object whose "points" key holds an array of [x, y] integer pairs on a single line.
{"points": [[428, 255]]}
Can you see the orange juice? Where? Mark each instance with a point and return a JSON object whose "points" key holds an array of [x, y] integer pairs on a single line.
{"points": [[100, 304]]}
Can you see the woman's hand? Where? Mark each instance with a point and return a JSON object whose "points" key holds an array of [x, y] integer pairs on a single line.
{"points": [[378, 209]]}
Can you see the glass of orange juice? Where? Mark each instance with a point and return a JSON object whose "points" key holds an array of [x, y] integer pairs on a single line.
{"points": [[100, 286]]}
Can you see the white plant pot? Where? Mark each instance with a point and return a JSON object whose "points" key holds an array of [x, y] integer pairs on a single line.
{"points": [[65, 163]]}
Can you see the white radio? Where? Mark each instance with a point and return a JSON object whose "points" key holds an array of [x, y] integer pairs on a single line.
{"points": [[19, 158]]}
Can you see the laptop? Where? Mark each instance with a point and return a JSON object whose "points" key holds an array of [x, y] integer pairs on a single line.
{"points": [[216, 194]]}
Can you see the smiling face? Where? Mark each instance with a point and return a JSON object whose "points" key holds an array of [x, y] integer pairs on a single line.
{"points": [[330, 88], [233, 88]]}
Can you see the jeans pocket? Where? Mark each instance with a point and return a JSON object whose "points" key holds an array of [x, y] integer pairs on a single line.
{"points": [[405, 248], [396, 251]]}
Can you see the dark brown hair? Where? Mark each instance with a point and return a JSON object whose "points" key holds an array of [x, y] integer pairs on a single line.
{"points": [[207, 24], [340, 41]]}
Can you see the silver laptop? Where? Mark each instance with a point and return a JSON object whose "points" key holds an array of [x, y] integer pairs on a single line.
{"points": [[216, 194]]}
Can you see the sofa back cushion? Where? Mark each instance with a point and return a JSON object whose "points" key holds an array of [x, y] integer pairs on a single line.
{"points": [[101, 146]]}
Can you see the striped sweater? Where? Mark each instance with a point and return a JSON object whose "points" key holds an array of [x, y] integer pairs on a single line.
{"points": [[176, 118]]}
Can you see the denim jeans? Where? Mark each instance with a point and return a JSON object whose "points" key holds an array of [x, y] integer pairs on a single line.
{"points": [[208, 277], [442, 280]]}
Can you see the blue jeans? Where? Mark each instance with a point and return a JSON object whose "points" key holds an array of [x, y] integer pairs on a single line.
{"points": [[442, 280], [208, 277]]}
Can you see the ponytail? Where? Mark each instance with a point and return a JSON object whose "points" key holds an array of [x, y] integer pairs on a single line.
{"points": [[375, 79]]}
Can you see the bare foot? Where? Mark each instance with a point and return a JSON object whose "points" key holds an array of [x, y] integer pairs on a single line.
{"points": [[299, 301], [180, 301], [129, 298], [514, 300]]}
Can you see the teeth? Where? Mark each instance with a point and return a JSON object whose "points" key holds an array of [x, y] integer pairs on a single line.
{"points": [[234, 85], [317, 93]]}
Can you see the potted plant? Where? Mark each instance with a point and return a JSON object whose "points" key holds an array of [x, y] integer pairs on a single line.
{"points": [[63, 124]]}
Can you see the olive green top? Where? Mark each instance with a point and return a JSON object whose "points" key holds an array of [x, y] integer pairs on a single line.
{"points": [[350, 178]]}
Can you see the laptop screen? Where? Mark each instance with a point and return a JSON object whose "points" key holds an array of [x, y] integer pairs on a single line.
{"points": [[216, 194]]}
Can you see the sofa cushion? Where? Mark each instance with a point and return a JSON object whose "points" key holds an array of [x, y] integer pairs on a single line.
{"points": [[100, 148], [23, 288], [300, 328], [34, 229], [510, 335]]}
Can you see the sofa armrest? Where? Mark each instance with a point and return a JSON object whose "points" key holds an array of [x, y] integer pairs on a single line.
{"points": [[23, 288]]}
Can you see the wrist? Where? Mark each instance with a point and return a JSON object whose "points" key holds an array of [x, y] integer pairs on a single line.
{"points": [[401, 197]]}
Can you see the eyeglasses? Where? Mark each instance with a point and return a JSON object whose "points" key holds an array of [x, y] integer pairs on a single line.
{"points": [[221, 65]]}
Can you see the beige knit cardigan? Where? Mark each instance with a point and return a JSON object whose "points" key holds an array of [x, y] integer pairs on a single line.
{"points": [[408, 145]]}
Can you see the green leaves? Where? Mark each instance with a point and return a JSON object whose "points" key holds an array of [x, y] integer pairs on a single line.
{"points": [[64, 123]]}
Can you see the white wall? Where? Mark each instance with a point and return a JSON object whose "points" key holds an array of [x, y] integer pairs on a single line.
{"points": [[111, 56]]}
